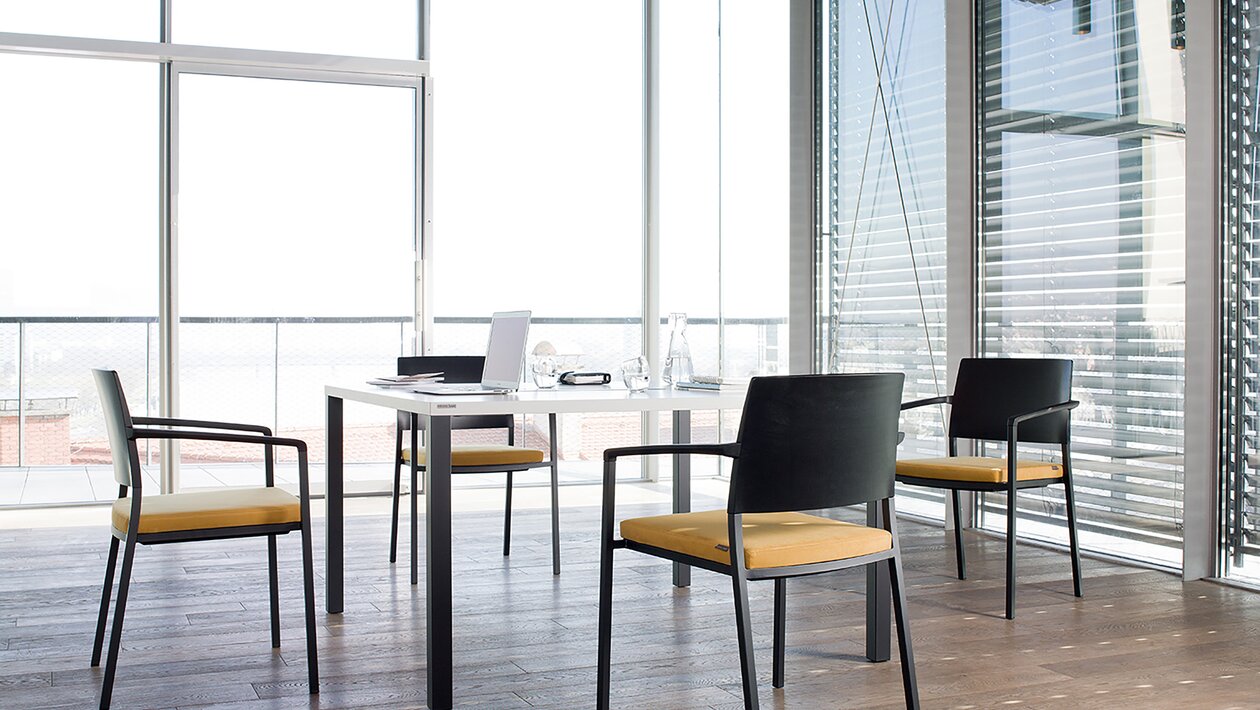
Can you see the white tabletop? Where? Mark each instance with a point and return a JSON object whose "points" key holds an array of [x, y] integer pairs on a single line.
{"points": [[562, 399]]}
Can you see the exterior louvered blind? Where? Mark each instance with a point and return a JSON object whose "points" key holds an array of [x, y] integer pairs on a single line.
{"points": [[1240, 457], [886, 206], [1082, 246]]}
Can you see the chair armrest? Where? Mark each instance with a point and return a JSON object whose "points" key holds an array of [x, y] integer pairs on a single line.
{"points": [[1012, 435], [1060, 407], [944, 399], [609, 504], [226, 437], [219, 436], [200, 424], [731, 450]]}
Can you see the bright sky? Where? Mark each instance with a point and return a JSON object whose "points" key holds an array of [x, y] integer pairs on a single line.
{"points": [[295, 197]]}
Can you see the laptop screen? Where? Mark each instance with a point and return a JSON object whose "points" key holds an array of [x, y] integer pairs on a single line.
{"points": [[506, 351]]}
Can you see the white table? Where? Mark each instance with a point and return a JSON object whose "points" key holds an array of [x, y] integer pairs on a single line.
{"points": [[438, 410]]}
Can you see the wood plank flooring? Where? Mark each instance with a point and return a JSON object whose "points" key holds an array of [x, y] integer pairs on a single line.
{"points": [[196, 630]]}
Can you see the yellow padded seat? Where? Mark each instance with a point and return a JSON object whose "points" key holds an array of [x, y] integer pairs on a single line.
{"points": [[977, 469], [202, 510], [478, 455], [770, 539]]}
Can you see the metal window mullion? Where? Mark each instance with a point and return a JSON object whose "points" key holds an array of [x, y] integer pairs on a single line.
{"points": [[804, 187], [651, 205], [964, 173], [1203, 334], [225, 57], [21, 394], [311, 74], [168, 278], [168, 305], [423, 339]]}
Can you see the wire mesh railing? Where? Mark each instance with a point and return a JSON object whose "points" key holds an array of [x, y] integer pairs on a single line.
{"points": [[271, 370]]}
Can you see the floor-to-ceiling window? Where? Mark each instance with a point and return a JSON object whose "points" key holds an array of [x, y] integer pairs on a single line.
{"points": [[272, 158], [194, 198], [884, 228], [538, 203], [1081, 191], [295, 260], [540, 195], [77, 276], [1240, 384], [723, 108]]}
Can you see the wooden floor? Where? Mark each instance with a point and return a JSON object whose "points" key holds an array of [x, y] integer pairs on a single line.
{"points": [[196, 633]]}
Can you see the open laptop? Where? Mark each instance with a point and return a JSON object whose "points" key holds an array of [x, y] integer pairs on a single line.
{"points": [[504, 355]]}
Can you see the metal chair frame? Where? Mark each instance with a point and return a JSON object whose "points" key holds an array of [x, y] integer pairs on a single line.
{"points": [[1012, 484], [746, 499], [465, 368], [124, 436]]}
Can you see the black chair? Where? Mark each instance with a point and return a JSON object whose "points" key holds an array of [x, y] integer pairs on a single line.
{"points": [[1013, 401], [470, 458], [806, 442], [208, 515]]}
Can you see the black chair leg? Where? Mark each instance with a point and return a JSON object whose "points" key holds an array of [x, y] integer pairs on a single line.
{"points": [[959, 550], [273, 582], [780, 629], [415, 506], [1073, 543], [743, 629], [111, 659], [415, 525], [393, 530], [105, 593], [555, 517], [308, 591], [908, 680], [507, 517], [1010, 554]]}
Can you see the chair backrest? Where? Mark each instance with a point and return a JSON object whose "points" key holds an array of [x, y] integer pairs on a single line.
{"points": [[989, 391], [816, 441], [458, 369], [118, 426]]}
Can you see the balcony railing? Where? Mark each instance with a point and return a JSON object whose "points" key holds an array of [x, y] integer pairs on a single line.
{"points": [[271, 370]]}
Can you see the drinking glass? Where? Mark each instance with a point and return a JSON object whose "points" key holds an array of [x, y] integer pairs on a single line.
{"points": [[546, 372], [635, 373]]}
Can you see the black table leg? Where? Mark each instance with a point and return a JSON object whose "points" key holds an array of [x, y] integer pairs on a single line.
{"points": [[437, 563], [334, 572], [682, 485], [878, 601]]}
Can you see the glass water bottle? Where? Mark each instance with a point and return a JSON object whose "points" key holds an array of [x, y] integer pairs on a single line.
{"points": [[678, 357]]}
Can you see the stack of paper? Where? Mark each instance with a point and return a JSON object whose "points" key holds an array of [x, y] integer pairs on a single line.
{"points": [[405, 380], [713, 382]]}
